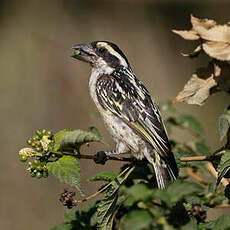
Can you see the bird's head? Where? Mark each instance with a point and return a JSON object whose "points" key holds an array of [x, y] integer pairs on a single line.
{"points": [[102, 55]]}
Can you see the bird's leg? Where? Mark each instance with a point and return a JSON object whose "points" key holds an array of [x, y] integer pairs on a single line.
{"points": [[121, 148], [102, 156]]}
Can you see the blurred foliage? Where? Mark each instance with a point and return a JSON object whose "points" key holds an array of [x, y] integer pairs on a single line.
{"points": [[132, 199]]}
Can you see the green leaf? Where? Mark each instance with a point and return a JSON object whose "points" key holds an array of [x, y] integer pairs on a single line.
{"points": [[136, 220], [107, 206], [96, 132], [191, 225], [67, 170], [224, 166], [103, 176], [137, 192], [106, 210], [83, 219], [224, 124], [71, 214], [75, 139], [222, 223], [63, 226], [202, 149], [178, 191], [190, 122], [227, 191], [168, 108], [57, 138]]}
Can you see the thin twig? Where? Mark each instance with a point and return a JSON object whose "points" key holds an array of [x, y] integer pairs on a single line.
{"points": [[196, 176], [105, 187], [196, 158], [222, 206], [212, 170]]}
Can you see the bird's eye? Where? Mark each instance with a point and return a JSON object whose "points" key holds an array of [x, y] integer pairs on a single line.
{"points": [[101, 49]]}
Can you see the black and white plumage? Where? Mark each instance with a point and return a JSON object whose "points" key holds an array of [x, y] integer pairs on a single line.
{"points": [[128, 111]]}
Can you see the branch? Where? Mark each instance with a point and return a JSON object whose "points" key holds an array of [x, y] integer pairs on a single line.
{"points": [[212, 170], [208, 165], [196, 176], [131, 159]]}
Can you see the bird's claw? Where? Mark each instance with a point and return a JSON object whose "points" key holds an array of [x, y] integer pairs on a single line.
{"points": [[100, 158]]}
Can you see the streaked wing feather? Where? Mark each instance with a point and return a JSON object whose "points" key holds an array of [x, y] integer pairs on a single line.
{"points": [[130, 100]]}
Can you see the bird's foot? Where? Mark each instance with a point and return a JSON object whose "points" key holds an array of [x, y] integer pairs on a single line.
{"points": [[100, 157]]}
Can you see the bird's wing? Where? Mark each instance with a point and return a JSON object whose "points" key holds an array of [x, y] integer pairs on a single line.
{"points": [[129, 99]]}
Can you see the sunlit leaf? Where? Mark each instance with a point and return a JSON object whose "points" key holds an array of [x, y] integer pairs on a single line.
{"points": [[215, 38], [187, 34], [67, 170], [196, 91], [206, 23], [204, 82], [218, 50]]}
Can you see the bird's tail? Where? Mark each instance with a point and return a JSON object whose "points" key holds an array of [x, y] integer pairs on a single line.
{"points": [[165, 170], [164, 174]]}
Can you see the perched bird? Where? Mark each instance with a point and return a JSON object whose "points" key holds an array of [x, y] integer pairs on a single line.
{"points": [[127, 109]]}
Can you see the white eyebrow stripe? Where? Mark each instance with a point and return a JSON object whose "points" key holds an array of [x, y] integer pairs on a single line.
{"points": [[112, 51]]}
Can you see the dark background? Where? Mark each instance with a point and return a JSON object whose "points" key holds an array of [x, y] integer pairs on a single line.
{"points": [[42, 87]]}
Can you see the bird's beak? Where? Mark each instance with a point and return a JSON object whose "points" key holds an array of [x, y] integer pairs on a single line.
{"points": [[84, 52]]}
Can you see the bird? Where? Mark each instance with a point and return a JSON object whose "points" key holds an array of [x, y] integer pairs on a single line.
{"points": [[129, 113]]}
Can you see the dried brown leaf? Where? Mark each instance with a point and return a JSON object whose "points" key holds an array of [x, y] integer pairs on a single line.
{"points": [[194, 53], [215, 38], [207, 80], [187, 34], [218, 50], [196, 91], [218, 33], [206, 23], [222, 75]]}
